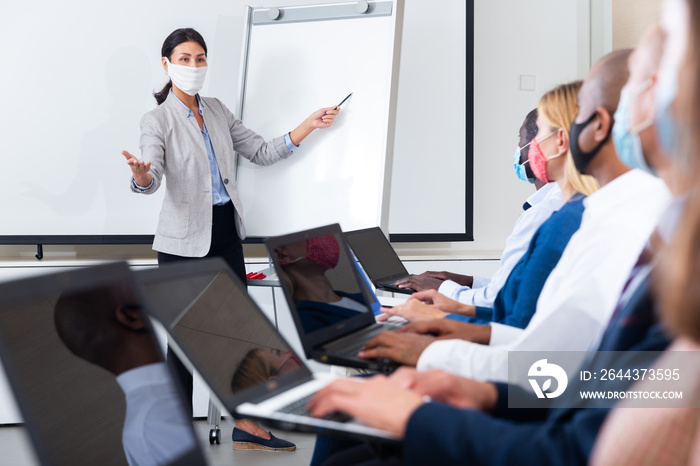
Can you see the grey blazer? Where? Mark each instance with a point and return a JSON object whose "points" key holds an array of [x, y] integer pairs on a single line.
{"points": [[174, 145]]}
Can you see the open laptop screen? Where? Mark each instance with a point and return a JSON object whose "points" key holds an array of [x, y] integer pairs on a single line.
{"points": [[324, 289], [220, 331], [375, 253], [85, 366]]}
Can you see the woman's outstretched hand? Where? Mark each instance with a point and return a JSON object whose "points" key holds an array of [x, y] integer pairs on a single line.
{"points": [[139, 169]]}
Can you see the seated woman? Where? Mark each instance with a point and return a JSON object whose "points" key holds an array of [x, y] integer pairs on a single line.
{"points": [[551, 161]]}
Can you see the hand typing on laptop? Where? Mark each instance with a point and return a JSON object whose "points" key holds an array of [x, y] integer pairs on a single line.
{"points": [[391, 319], [448, 329], [404, 348], [433, 280], [389, 402], [412, 311], [358, 398], [419, 283], [406, 344], [428, 305]]}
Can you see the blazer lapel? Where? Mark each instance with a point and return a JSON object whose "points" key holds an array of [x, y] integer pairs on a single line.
{"points": [[220, 137], [193, 142]]}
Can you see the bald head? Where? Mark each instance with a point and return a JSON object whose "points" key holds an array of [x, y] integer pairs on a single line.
{"points": [[105, 327], [602, 86], [643, 67]]}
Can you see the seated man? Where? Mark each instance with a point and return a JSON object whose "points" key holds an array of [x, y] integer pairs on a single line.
{"points": [[538, 208]]}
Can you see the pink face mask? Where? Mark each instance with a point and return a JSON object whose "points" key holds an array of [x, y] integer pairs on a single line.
{"points": [[538, 162], [323, 250]]}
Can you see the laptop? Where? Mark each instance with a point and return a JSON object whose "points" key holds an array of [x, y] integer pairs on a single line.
{"points": [[217, 329], [330, 302], [375, 305], [64, 337], [378, 259]]}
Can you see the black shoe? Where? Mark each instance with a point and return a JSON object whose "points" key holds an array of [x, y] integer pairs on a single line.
{"points": [[242, 440]]}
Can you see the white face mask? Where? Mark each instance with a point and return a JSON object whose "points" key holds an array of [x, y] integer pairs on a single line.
{"points": [[188, 79]]}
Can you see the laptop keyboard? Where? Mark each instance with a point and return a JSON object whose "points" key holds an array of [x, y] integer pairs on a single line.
{"points": [[352, 349], [299, 408]]}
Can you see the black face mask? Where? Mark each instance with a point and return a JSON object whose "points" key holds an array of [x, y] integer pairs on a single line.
{"points": [[582, 159]]}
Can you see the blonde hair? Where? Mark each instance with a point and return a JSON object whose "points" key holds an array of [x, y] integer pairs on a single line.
{"points": [[559, 108], [253, 369]]}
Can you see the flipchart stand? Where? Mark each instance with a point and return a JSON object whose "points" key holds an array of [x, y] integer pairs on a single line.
{"points": [[214, 412]]}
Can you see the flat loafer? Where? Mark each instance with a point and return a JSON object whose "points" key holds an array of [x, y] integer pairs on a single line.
{"points": [[242, 440]]}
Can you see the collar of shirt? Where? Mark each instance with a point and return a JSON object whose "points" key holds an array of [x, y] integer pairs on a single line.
{"points": [[545, 192], [150, 374], [614, 195], [190, 114]]}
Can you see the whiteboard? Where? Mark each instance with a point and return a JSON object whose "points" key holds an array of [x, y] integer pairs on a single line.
{"points": [[82, 74], [432, 191], [308, 58], [79, 75], [77, 90]]}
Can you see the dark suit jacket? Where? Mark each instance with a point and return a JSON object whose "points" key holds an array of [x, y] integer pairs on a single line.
{"points": [[440, 434]]}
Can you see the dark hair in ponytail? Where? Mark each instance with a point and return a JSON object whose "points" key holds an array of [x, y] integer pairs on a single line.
{"points": [[177, 37]]}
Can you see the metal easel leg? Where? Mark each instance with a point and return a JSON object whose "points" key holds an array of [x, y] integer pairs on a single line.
{"points": [[213, 418]]}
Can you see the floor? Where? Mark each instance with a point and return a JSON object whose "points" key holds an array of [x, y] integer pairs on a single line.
{"points": [[17, 451]]}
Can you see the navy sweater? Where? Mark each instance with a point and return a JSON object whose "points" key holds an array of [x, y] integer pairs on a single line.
{"points": [[517, 300]]}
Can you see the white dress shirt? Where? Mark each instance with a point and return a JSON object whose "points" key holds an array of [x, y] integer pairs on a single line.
{"points": [[581, 292], [156, 429], [483, 292]]}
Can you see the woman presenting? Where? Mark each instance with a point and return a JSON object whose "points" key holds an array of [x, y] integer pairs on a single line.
{"points": [[191, 141]]}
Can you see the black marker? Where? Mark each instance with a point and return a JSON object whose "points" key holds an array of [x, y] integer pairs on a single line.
{"points": [[341, 103]]}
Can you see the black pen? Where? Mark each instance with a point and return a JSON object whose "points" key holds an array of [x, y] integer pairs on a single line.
{"points": [[341, 103]]}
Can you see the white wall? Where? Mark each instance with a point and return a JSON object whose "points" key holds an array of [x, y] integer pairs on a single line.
{"points": [[545, 38], [601, 28], [630, 19]]}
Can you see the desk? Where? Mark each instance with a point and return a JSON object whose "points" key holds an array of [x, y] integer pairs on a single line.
{"points": [[270, 280]]}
